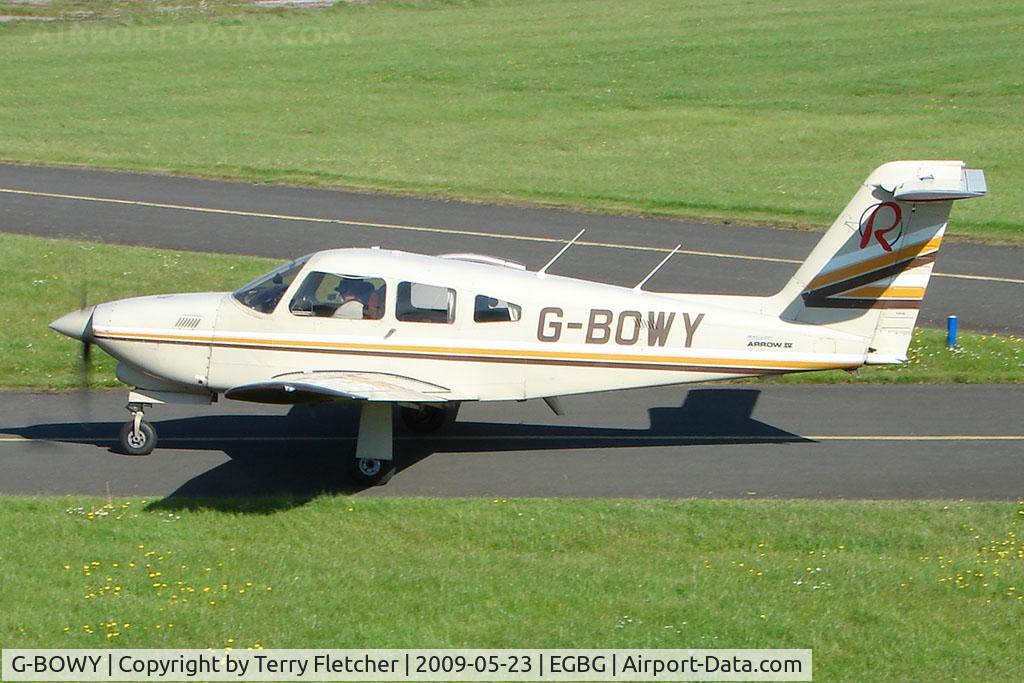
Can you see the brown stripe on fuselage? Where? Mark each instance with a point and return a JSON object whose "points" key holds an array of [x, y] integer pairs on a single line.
{"points": [[553, 360]]}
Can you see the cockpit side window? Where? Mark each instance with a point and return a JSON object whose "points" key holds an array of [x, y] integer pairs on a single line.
{"points": [[419, 303], [264, 293], [487, 309], [327, 295]]}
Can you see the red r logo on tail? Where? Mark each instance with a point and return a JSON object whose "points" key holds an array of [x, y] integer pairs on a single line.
{"points": [[868, 228]]}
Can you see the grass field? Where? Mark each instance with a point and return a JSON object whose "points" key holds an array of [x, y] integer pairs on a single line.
{"points": [[879, 590], [44, 280], [977, 359], [767, 112]]}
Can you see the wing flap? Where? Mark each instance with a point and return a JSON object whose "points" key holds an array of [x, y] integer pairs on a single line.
{"points": [[327, 386]]}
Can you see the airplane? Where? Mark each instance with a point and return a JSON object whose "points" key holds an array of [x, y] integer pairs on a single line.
{"points": [[387, 328]]}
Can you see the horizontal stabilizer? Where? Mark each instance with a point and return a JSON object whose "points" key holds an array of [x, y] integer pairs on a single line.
{"points": [[942, 183]]}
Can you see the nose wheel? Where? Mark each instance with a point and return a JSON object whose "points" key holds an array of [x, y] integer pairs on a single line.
{"points": [[138, 437]]}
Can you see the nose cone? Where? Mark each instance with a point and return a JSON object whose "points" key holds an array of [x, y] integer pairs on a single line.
{"points": [[76, 324]]}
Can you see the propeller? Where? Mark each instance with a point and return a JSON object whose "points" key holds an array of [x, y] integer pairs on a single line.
{"points": [[85, 366], [78, 325]]}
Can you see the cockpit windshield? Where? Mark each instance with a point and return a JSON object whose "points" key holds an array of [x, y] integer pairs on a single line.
{"points": [[264, 293]]}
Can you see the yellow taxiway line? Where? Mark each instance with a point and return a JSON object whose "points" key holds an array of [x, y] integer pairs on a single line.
{"points": [[448, 231]]}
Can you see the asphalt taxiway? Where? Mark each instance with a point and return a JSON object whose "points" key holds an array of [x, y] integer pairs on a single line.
{"points": [[739, 441], [719, 441], [982, 284]]}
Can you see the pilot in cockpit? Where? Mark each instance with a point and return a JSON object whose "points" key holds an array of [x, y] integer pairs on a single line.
{"points": [[354, 296]]}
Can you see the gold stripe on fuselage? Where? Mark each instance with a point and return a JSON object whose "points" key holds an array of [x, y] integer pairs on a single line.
{"points": [[449, 353]]}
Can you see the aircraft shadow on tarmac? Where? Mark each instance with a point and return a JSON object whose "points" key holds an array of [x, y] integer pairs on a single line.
{"points": [[307, 452]]}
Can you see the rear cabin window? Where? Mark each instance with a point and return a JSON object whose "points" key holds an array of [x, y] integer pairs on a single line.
{"points": [[488, 309], [419, 303], [326, 295]]}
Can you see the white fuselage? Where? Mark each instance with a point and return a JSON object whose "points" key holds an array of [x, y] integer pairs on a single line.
{"points": [[572, 336]]}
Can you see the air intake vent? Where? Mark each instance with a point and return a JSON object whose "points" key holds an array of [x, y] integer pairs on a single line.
{"points": [[188, 322]]}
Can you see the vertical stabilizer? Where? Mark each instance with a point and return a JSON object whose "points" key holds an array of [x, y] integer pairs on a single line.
{"points": [[869, 273]]}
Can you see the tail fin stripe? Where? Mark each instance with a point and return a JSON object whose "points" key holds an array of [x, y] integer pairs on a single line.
{"points": [[874, 253], [864, 304], [870, 276], [884, 292], [915, 250]]}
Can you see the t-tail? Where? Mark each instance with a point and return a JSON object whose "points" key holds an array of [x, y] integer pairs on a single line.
{"points": [[869, 273]]}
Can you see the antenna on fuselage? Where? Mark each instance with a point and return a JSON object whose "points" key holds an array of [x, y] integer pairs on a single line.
{"points": [[640, 285], [564, 249]]}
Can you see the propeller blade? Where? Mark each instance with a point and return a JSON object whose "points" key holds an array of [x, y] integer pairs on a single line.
{"points": [[84, 405], [85, 366]]}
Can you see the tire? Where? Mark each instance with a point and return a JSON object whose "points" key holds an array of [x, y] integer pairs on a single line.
{"points": [[427, 418], [143, 445], [370, 472]]}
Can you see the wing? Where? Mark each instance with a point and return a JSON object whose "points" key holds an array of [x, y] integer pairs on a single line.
{"points": [[340, 385]]}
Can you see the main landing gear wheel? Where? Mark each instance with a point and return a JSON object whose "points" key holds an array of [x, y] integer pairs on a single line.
{"points": [[372, 472], [138, 440], [428, 418]]}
